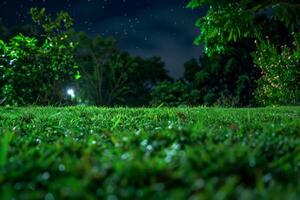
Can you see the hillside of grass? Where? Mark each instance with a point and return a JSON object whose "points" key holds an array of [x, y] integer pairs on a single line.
{"points": [[164, 153]]}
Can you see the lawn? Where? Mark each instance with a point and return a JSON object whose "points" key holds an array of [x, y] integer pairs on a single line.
{"points": [[163, 153]]}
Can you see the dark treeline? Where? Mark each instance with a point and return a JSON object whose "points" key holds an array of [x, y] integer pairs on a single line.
{"points": [[49, 63]]}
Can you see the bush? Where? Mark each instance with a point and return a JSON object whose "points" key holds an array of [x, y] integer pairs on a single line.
{"points": [[174, 94], [226, 80], [279, 84], [34, 71]]}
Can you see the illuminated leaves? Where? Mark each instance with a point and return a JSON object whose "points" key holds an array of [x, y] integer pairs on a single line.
{"points": [[231, 20], [34, 69], [281, 73]]}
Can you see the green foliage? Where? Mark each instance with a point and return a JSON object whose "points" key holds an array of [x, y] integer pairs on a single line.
{"points": [[182, 153], [191, 67], [104, 69], [279, 84], [107, 76], [112, 77], [174, 94], [57, 26], [4, 147], [230, 21], [224, 80], [35, 71], [145, 74], [17, 72], [272, 24], [3, 50]]}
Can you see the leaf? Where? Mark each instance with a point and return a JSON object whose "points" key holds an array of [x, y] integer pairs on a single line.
{"points": [[77, 76], [4, 147], [117, 121]]}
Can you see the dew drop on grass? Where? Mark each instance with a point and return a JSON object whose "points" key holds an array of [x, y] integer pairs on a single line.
{"points": [[267, 178], [125, 156], [176, 146], [61, 167], [149, 147], [49, 196], [138, 132], [38, 141], [144, 143], [171, 152], [14, 129], [45, 176], [171, 126], [66, 133]]}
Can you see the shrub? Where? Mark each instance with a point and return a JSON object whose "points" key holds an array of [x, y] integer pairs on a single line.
{"points": [[279, 84], [173, 94], [34, 71]]}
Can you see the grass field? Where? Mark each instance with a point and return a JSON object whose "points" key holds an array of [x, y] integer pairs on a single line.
{"points": [[164, 153]]}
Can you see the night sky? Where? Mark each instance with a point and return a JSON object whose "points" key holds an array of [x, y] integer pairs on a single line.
{"points": [[146, 28]]}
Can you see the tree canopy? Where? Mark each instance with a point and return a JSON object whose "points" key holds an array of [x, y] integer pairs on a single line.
{"points": [[231, 20]]}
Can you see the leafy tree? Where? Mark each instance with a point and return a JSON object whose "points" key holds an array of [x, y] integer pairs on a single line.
{"points": [[28, 30], [3, 50], [113, 77], [227, 22], [191, 67], [36, 71], [228, 79], [173, 94], [280, 82], [231, 20], [104, 69], [54, 27], [145, 74]]}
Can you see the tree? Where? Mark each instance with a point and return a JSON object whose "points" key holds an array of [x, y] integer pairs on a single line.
{"points": [[112, 77], [146, 73], [228, 79], [229, 21], [3, 50], [191, 67], [36, 71], [104, 69], [275, 23], [173, 94], [279, 84]]}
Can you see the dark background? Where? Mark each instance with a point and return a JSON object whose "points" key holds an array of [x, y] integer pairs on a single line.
{"points": [[146, 28]]}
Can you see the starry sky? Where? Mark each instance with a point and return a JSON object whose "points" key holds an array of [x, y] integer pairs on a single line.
{"points": [[145, 28]]}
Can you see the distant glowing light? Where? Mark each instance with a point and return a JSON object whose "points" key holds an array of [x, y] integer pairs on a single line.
{"points": [[71, 93]]}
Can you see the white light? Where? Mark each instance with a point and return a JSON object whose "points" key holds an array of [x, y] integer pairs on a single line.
{"points": [[71, 93]]}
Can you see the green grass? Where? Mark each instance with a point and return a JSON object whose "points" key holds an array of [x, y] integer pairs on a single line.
{"points": [[164, 153]]}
